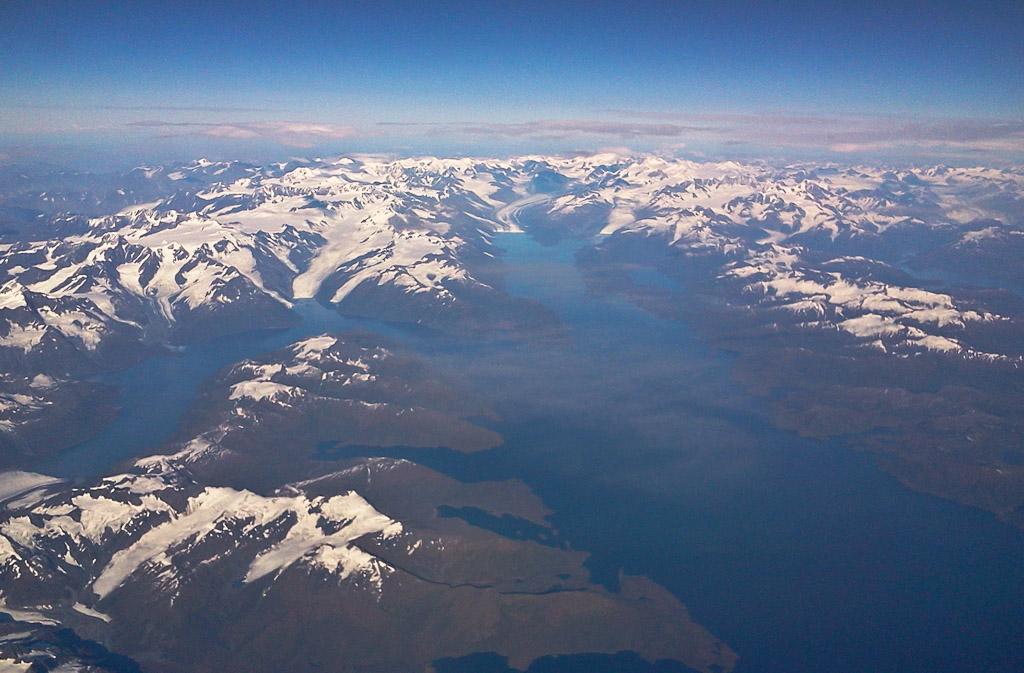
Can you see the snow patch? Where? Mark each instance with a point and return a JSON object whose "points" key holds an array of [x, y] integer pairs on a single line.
{"points": [[16, 483]]}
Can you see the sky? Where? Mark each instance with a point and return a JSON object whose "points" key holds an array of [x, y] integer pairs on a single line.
{"points": [[462, 78]]}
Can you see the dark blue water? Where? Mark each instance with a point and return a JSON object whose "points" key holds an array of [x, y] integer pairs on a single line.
{"points": [[155, 393], [802, 555]]}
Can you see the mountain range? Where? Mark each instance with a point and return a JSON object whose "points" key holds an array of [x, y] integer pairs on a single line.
{"points": [[882, 308]]}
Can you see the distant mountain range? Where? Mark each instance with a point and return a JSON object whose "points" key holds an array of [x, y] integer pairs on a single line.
{"points": [[881, 307], [412, 240]]}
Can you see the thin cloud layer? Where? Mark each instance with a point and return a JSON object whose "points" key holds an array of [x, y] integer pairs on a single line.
{"points": [[842, 135], [827, 134], [853, 134], [978, 136], [549, 127], [290, 133], [180, 108]]}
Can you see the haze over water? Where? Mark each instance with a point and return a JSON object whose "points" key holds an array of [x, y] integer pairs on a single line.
{"points": [[345, 131], [800, 554]]}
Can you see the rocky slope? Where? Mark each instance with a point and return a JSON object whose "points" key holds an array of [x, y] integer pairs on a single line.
{"points": [[226, 248], [238, 538], [839, 291]]}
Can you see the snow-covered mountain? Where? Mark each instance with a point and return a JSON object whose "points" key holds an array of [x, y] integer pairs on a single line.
{"points": [[882, 307], [870, 302], [413, 239], [41, 415], [229, 248], [885, 307], [406, 241], [825, 245], [215, 248], [241, 522]]}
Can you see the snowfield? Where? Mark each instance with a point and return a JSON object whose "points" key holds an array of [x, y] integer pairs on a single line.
{"points": [[254, 239]]}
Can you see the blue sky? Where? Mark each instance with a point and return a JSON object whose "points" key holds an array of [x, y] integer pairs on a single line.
{"points": [[476, 77]]}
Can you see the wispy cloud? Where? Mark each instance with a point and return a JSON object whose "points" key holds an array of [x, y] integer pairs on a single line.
{"points": [[549, 127], [307, 134], [182, 108], [138, 108], [965, 135], [837, 134], [291, 133], [669, 130], [851, 134]]}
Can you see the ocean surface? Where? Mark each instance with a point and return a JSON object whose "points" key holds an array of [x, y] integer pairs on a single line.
{"points": [[801, 554]]}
